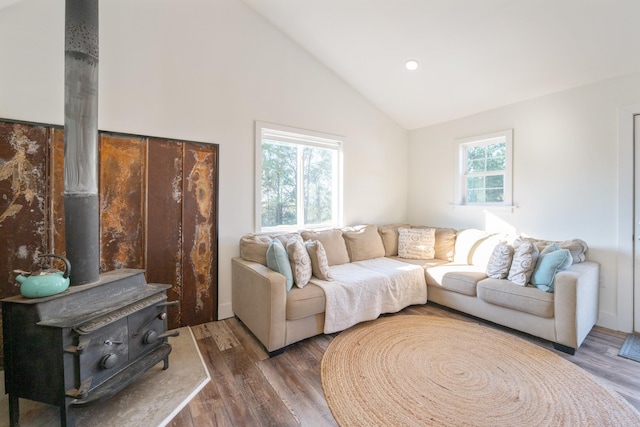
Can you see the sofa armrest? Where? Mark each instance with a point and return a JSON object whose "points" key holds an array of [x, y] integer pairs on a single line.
{"points": [[576, 302], [259, 299]]}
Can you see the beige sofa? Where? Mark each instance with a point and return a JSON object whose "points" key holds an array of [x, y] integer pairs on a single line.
{"points": [[455, 277]]}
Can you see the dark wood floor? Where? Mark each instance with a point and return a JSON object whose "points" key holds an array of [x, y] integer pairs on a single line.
{"points": [[248, 388]]}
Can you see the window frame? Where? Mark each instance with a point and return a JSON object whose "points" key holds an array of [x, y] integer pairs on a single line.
{"points": [[461, 162], [300, 137]]}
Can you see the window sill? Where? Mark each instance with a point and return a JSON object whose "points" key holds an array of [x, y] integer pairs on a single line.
{"points": [[488, 207]]}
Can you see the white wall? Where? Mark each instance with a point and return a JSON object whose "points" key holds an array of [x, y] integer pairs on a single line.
{"points": [[205, 70], [565, 182]]}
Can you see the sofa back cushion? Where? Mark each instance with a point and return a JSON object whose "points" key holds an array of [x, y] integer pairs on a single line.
{"points": [[332, 242], [577, 247], [363, 242], [389, 234], [467, 241], [253, 247]]}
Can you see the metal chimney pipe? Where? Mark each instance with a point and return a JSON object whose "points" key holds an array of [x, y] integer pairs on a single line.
{"points": [[81, 203]]}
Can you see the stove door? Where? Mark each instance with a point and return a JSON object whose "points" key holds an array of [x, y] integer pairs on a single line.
{"points": [[106, 353], [145, 326]]}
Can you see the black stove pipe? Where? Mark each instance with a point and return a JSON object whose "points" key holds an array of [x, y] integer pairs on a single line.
{"points": [[81, 203]]}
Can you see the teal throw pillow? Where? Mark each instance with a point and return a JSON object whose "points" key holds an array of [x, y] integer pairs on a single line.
{"points": [[551, 260], [278, 260]]}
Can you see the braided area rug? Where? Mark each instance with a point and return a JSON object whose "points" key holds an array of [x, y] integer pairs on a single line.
{"points": [[421, 370]]}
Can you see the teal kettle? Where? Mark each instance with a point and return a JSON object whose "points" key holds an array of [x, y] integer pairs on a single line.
{"points": [[45, 282]]}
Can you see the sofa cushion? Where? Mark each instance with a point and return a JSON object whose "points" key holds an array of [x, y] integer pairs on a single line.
{"points": [[500, 261], [319, 262], [416, 243], [578, 248], [253, 247], [460, 278], [363, 242], [389, 234], [300, 261], [466, 242], [551, 260], [483, 250], [524, 261], [445, 242], [304, 302], [278, 260], [332, 242], [522, 298]]}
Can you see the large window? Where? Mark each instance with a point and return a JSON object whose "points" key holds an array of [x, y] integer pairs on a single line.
{"points": [[484, 169], [298, 176]]}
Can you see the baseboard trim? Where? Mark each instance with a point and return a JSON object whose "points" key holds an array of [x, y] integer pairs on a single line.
{"points": [[225, 311]]}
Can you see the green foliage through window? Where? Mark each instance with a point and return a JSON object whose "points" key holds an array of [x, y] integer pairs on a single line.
{"points": [[298, 182]]}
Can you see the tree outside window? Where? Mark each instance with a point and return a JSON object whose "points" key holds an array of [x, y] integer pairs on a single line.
{"points": [[299, 178], [484, 172]]}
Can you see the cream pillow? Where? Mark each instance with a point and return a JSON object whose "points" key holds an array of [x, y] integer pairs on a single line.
{"points": [[300, 261], [524, 261], [500, 261], [333, 244], [363, 242], [445, 242], [389, 234], [416, 243], [319, 263]]}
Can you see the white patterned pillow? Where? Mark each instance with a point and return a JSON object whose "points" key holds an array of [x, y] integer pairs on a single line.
{"points": [[500, 261], [416, 243], [300, 261], [524, 261], [319, 262]]}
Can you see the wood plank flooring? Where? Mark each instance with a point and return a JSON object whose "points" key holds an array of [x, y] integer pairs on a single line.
{"points": [[248, 388]]}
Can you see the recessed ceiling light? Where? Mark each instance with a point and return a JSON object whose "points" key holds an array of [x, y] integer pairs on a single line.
{"points": [[411, 65]]}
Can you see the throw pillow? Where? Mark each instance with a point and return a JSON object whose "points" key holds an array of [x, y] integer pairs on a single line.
{"points": [[300, 261], [551, 260], [319, 263], [416, 243], [389, 234], [524, 261], [500, 261], [278, 260]]}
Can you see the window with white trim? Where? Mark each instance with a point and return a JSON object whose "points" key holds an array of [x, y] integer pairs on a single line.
{"points": [[298, 178], [484, 173]]}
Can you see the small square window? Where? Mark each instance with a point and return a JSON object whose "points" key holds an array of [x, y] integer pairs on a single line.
{"points": [[484, 173]]}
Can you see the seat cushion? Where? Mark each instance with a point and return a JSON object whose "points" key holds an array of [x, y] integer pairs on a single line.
{"points": [[458, 278], [304, 302], [522, 298]]}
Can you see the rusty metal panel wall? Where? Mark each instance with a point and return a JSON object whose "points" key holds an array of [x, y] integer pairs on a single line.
{"points": [[164, 221], [23, 200], [56, 185], [174, 239], [122, 192], [199, 301]]}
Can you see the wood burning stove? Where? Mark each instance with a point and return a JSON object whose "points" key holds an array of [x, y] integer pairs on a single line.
{"points": [[101, 334], [85, 344]]}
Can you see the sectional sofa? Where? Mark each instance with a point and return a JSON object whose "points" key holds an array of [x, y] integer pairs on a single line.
{"points": [[329, 280]]}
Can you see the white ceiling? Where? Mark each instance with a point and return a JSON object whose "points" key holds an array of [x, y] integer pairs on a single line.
{"points": [[475, 55]]}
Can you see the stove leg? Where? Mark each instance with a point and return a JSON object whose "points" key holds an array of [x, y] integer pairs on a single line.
{"points": [[165, 366], [67, 416], [14, 410]]}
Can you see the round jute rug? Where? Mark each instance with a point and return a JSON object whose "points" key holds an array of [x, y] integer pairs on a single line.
{"points": [[421, 370]]}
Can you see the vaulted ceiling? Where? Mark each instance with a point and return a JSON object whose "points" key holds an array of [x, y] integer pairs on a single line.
{"points": [[474, 55]]}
